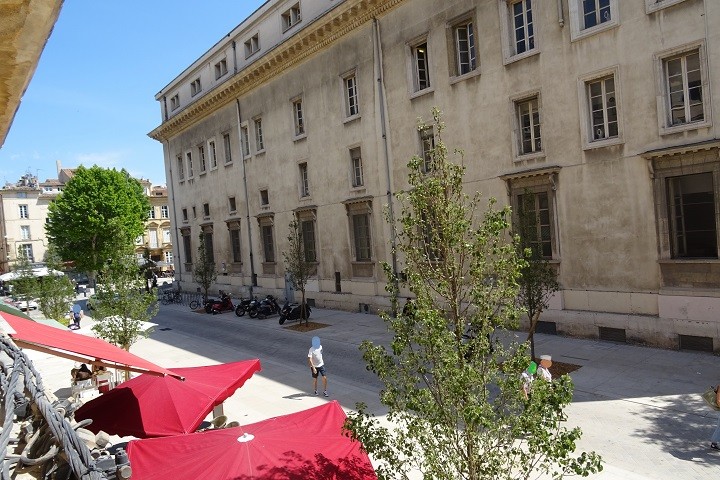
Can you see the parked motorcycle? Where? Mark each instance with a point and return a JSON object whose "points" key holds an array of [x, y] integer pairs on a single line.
{"points": [[244, 305], [216, 306], [293, 311], [263, 308]]}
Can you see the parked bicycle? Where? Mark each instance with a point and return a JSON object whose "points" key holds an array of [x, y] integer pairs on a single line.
{"points": [[171, 297]]}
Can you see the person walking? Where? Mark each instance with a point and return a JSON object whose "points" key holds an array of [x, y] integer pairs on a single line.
{"points": [[715, 439], [317, 366], [543, 370]]}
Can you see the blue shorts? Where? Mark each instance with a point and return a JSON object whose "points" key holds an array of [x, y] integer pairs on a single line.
{"points": [[318, 371]]}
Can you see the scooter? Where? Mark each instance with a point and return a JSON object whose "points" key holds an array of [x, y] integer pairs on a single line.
{"points": [[243, 306], [216, 306], [263, 308], [293, 311]]}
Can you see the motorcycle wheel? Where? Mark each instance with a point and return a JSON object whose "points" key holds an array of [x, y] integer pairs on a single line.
{"points": [[282, 320], [253, 312], [208, 307], [240, 311]]}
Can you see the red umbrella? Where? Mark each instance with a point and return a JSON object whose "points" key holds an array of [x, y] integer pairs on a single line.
{"points": [[305, 445], [151, 406]]}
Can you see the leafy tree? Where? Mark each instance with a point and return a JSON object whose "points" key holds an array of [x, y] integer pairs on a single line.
{"points": [[56, 292], [204, 272], [538, 280], [297, 264], [121, 303], [96, 211], [451, 375]]}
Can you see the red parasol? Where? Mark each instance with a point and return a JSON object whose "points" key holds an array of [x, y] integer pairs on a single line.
{"points": [[305, 445], [148, 406]]}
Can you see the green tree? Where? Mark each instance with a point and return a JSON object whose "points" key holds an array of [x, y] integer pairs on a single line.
{"points": [[538, 279], [121, 304], [56, 292], [297, 264], [451, 386], [203, 269], [96, 211]]}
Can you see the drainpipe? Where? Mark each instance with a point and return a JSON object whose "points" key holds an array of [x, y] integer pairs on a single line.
{"points": [[561, 17], [386, 151], [247, 199], [708, 49]]}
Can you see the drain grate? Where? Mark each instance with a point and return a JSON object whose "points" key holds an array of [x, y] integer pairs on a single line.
{"points": [[692, 342], [613, 334], [164, 329]]}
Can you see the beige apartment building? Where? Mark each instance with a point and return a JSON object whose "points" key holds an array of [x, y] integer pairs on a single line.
{"points": [[604, 111]]}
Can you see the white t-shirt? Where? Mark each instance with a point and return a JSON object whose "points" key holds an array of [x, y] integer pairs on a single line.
{"points": [[315, 356], [544, 373]]}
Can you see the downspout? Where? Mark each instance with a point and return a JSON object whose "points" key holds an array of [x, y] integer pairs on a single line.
{"points": [[383, 128], [708, 48], [561, 17], [247, 198]]}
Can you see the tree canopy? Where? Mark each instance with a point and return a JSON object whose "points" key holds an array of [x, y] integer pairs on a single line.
{"points": [[451, 374], [98, 210]]}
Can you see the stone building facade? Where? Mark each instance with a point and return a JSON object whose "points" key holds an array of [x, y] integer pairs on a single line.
{"points": [[602, 111]]}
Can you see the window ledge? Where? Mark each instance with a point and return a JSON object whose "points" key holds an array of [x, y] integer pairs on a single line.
{"points": [[520, 56], [653, 6], [610, 142], [698, 261], [228, 164], [358, 189], [465, 76], [260, 152], [665, 130], [203, 173], [530, 156], [422, 93], [351, 118], [300, 137], [588, 32]]}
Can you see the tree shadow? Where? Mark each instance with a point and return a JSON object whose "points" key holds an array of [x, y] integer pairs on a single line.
{"points": [[295, 466]]}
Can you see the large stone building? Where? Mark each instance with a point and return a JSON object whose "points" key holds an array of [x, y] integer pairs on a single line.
{"points": [[605, 111]]}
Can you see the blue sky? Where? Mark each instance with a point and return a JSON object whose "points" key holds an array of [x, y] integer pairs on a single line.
{"points": [[92, 98]]}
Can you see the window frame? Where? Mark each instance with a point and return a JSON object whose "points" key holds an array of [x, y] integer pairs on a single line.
{"points": [[189, 160], [267, 235], [164, 211], [232, 204], [357, 175], [259, 138], [304, 177], [426, 154], [298, 118], [578, 31], [516, 101], [507, 29], [350, 95], [264, 197], [24, 211], [665, 126], [544, 182], [420, 45], [174, 102], [655, 5], [245, 140], [252, 45], [227, 147], [291, 17], [235, 242], [588, 142], [221, 69], [454, 28], [25, 232], [195, 87], [202, 159], [212, 150]]}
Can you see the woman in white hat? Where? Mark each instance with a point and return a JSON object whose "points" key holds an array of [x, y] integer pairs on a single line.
{"points": [[543, 370]]}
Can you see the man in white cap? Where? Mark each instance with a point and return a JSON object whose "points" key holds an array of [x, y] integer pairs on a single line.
{"points": [[543, 370], [317, 365]]}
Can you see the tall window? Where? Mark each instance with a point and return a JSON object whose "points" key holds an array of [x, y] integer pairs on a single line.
{"points": [[226, 146], [209, 248], [259, 143], [213, 154], [180, 168], [26, 250], [206, 210], [264, 198], [268, 243], [188, 156], [427, 145], [307, 228], [602, 108], [528, 118], [151, 213], [25, 232], [195, 87], [153, 239], [245, 141], [174, 102], [298, 117], [356, 167], [684, 87], [361, 237], [420, 66], [522, 25], [235, 245], [252, 45], [291, 17], [538, 234], [352, 107], [166, 235], [232, 204], [220, 68], [692, 216], [168, 256], [201, 156], [164, 212], [464, 34], [23, 211], [304, 182], [185, 214]]}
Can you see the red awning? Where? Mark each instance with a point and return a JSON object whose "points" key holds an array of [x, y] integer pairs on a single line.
{"points": [[74, 346], [150, 406], [309, 444]]}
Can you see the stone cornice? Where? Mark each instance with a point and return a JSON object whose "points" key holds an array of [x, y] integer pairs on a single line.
{"points": [[325, 31]]}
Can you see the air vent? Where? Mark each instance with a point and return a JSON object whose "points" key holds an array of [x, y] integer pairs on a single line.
{"points": [[549, 328], [691, 342], [613, 334]]}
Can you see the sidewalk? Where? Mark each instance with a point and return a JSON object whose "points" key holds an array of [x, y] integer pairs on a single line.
{"points": [[638, 407]]}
